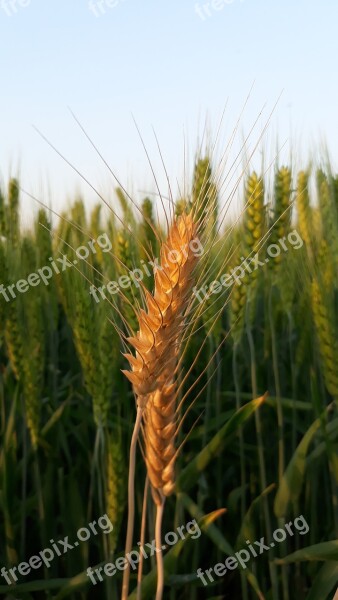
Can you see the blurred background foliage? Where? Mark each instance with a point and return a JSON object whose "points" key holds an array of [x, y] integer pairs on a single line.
{"points": [[67, 411]]}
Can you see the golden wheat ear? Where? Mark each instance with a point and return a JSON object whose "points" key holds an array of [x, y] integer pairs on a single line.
{"points": [[153, 369], [160, 325]]}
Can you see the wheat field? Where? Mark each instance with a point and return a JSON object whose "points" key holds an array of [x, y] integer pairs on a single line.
{"points": [[159, 390]]}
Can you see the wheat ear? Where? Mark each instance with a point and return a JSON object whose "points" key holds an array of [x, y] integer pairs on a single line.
{"points": [[154, 365]]}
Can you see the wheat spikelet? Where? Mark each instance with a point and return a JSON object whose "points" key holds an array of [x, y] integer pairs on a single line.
{"points": [[157, 346]]}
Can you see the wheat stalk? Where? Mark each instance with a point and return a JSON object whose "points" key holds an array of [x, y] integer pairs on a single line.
{"points": [[154, 366]]}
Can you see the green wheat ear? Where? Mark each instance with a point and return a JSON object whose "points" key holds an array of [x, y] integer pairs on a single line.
{"points": [[115, 488], [34, 347], [244, 292], [254, 216], [323, 314], [148, 240], [280, 221], [238, 291], [108, 356], [3, 281], [44, 251], [3, 207], [205, 196], [95, 221], [329, 214], [334, 183], [323, 310], [303, 208], [204, 199], [128, 258], [24, 335], [82, 317], [282, 267], [326, 264], [95, 231], [124, 266], [13, 330], [182, 206], [78, 216], [13, 339], [13, 220], [93, 334], [43, 237]]}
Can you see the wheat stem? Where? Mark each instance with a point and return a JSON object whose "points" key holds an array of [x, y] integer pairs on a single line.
{"points": [[142, 539], [159, 551], [131, 500]]}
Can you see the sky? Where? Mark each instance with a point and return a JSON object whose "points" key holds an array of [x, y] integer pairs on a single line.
{"points": [[171, 67]]}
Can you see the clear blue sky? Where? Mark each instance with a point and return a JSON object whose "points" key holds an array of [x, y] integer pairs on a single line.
{"points": [[163, 63]]}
